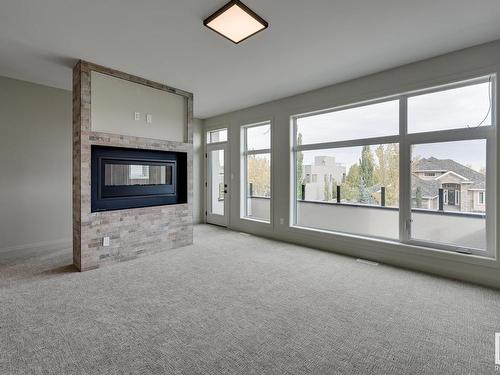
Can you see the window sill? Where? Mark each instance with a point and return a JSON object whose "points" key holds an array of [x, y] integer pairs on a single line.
{"points": [[261, 221], [387, 246]]}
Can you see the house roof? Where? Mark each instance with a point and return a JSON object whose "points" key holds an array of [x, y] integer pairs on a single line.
{"points": [[430, 187]]}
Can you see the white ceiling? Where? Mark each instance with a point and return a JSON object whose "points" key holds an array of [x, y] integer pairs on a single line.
{"points": [[309, 44]]}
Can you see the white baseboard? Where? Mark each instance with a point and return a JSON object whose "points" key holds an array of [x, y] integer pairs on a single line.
{"points": [[43, 245]]}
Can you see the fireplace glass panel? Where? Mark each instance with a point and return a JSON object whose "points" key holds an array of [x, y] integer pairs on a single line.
{"points": [[131, 178], [119, 174]]}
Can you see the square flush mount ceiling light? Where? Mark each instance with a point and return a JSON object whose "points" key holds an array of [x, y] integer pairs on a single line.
{"points": [[236, 22]]}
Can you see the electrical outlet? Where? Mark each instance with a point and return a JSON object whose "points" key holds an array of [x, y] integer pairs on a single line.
{"points": [[105, 241], [149, 119], [137, 116], [282, 221]]}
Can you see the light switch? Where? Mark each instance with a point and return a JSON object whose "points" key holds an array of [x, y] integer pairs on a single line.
{"points": [[105, 241], [137, 116], [149, 118]]}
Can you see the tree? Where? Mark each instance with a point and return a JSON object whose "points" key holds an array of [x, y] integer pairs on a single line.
{"points": [[386, 172], [366, 165], [259, 175], [300, 168], [381, 168], [350, 189], [392, 178], [364, 193], [366, 174]]}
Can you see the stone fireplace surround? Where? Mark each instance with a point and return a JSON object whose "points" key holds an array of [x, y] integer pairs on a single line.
{"points": [[133, 232]]}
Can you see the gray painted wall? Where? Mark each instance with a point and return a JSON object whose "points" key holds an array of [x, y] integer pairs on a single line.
{"points": [[468, 63], [115, 100], [198, 161], [35, 166]]}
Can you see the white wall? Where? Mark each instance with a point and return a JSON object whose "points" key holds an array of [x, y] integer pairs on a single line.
{"points": [[468, 63], [35, 165], [114, 102]]}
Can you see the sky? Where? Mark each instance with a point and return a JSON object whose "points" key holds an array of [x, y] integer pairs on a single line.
{"points": [[469, 153], [259, 137]]}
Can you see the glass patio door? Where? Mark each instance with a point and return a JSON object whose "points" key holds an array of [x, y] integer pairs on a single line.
{"points": [[217, 185]]}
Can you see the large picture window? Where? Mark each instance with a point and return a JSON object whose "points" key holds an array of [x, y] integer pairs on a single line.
{"points": [[413, 168], [256, 171]]}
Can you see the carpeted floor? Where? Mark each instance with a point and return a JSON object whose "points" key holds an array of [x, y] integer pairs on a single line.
{"points": [[238, 304]]}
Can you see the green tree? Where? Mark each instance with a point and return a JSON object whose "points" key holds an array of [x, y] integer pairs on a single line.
{"points": [[366, 169], [381, 167], [259, 175], [300, 168], [386, 172], [364, 193], [366, 165], [350, 189], [392, 178]]}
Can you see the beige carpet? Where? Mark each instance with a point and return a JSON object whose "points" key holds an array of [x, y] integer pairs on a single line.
{"points": [[235, 304]]}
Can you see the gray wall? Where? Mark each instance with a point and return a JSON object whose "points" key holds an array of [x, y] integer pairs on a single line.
{"points": [[115, 100], [468, 63], [35, 167], [198, 161]]}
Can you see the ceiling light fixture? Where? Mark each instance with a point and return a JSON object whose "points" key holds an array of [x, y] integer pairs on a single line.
{"points": [[236, 22]]}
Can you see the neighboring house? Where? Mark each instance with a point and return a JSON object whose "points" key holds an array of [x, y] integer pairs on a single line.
{"points": [[463, 187], [324, 169]]}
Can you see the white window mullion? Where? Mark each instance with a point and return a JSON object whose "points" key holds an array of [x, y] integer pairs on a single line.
{"points": [[451, 135], [490, 199], [349, 143], [256, 152], [404, 173], [292, 219]]}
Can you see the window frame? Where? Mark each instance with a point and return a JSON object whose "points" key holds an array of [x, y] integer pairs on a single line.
{"points": [[244, 170], [481, 197], [405, 141], [208, 136]]}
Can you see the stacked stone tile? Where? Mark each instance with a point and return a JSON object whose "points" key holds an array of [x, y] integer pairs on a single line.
{"points": [[133, 232]]}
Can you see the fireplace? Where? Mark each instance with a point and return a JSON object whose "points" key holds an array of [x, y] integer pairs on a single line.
{"points": [[124, 178]]}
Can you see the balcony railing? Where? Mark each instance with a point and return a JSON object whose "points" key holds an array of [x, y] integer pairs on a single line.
{"points": [[462, 229]]}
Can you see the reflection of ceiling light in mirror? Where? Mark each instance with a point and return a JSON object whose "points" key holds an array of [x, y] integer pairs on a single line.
{"points": [[235, 21]]}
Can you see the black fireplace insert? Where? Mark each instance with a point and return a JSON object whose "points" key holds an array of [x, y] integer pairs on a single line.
{"points": [[129, 178]]}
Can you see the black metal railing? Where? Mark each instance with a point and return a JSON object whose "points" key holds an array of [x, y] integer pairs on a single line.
{"points": [[382, 203]]}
